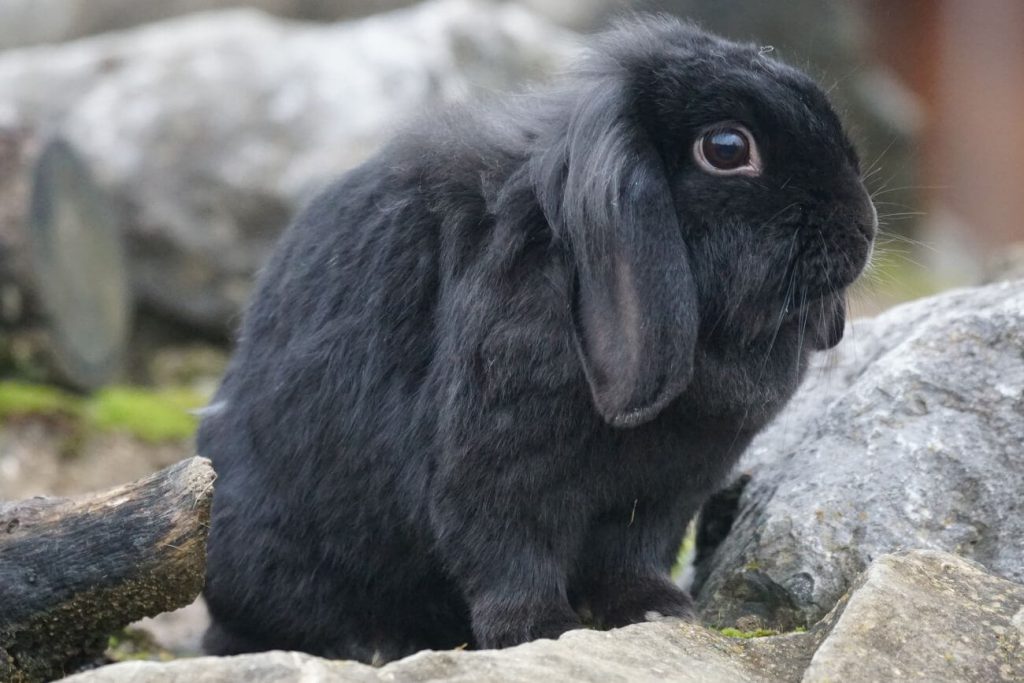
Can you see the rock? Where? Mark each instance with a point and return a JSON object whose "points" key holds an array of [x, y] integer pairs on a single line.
{"points": [[581, 15], [669, 651], [270, 667], [211, 129], [179, 632], [925, 616], [922, 615], [908, 435], [30, 22], [1008, 264], [63, 276]]}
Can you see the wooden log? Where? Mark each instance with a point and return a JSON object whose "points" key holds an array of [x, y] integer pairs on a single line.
{"points": [[63, 280], [73, 571]]}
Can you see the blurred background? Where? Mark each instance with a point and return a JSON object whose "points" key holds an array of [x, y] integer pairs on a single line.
{"points": [[152, 150]]}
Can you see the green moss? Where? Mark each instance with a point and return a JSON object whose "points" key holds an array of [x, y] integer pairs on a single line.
{"points": [[150, 415], [24, 398], [135, 645], [686, 550], [756, 633]]}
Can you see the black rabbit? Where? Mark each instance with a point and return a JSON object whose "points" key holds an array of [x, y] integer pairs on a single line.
{"points": [[489, 375]]}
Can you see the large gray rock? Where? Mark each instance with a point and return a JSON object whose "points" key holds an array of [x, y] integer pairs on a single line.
{"points": [[669, 651], [909, 435], [212, 129], [923, 616], [30, 22]]}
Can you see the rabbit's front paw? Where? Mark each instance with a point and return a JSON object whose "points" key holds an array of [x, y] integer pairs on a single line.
{"points": [[640, 600], [496, 627]]}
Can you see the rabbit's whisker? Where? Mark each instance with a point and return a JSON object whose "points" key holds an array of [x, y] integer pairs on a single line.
{"points": [[890, 237], [899, 256], [906, 188]]}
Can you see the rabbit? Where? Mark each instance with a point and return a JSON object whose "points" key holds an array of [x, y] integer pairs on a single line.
{"points": [[489, 375]]}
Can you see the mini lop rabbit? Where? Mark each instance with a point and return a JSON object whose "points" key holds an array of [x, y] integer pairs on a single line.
{"points": [[490, 375]]}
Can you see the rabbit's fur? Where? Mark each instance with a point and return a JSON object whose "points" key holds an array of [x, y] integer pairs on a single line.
{"points": [[489, 375]]}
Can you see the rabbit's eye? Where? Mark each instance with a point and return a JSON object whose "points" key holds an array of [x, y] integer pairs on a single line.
{"points": [[727, 150]]}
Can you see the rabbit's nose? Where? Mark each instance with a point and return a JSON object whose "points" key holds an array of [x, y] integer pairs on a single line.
{"points": [[869, 227], [862, 211]]}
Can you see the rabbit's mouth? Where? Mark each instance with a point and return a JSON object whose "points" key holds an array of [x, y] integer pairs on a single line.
{"points": [[836, 243], [834, 258]]}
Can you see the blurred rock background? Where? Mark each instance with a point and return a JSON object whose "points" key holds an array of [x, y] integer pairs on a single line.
{"points": [[196, 128]]}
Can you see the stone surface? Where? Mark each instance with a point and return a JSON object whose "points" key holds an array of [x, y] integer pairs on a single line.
{"points": [[1008, 264], [30, 22], [211, 129], [647, 653], [925, 616], [909, 435], [918, 616], [179, 632], [64, 301]]}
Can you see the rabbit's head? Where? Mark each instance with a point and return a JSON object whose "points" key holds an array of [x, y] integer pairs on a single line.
{"points": [[707, 195]]}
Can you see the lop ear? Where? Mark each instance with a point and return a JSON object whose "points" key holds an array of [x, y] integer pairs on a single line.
{"points": [[604, 189], [831, 323]]}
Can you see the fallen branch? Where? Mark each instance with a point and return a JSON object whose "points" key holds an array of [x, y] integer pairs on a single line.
{"points": [[72, 571]]}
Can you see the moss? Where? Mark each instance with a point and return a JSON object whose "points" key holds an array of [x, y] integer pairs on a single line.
{"points": [[686, 550], [24, 398], [756, 633], [150, 415], [134, 644]]}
